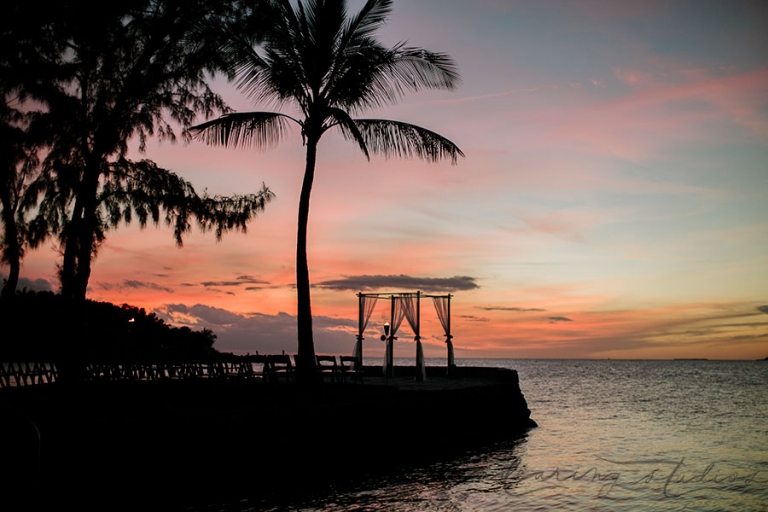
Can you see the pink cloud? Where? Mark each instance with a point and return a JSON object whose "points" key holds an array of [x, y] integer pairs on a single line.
{"points": [[644, 122], [632, 77], [567, 225]]}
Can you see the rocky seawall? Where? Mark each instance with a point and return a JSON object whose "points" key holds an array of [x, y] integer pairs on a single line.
{"points": [[187, 441]]}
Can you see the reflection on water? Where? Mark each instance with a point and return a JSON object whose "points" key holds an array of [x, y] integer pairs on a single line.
{"points": [[649, 435], [475, 479], [445, 485], [612, 436]]}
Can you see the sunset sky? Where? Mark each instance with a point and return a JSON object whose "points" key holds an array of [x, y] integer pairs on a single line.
{"points": [[613, 202]]}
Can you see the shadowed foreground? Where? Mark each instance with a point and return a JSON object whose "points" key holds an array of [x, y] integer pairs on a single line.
{"points": [[169, 443]]}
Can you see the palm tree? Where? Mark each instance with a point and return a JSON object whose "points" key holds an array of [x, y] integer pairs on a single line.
{"points": [[328, 65]]}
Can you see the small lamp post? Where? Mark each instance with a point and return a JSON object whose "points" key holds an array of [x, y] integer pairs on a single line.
{"points": [[388, 351]]}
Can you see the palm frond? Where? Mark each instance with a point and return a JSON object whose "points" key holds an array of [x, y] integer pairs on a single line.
{"points": [[395, 138], [419, 68], [399, 70], [275, 80], [370, 18], [356, 29], [371, 76], [272, 73], [348, 128], [322, 23], [249, 129], [239, 54]]}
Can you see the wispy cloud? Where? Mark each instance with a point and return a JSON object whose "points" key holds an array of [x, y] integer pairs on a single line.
{"points": [[632, 77], [239, 281], [515, 309], [687, 330], [481, 97], [132, 284], [565, 225], [473, 318], [378, 282], [630, 126]]}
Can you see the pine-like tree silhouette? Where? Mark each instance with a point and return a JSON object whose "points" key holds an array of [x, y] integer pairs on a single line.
{"points": [[103, 75]]}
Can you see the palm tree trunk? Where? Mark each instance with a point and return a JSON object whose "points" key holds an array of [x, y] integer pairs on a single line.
{"points": [[306, 362]]}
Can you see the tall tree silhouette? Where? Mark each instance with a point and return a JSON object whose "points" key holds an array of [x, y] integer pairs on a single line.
{"points": [[329, 66], [105, 74], [15, 172], [19, 141]]}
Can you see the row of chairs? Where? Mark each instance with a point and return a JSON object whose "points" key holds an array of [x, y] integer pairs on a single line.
{"points": [[112, 371], [26, 374], [270, 368], [280, 368]]}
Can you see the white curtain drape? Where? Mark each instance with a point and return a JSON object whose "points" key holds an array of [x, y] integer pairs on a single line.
{"points": [[367, 304], [442, 306], [398, 313], [410, 309]]}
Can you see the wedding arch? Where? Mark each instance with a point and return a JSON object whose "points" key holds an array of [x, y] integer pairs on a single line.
{"points": [[403, 305]]}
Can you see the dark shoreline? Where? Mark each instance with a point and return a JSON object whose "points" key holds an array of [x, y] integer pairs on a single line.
{"points": [[186, 441]]}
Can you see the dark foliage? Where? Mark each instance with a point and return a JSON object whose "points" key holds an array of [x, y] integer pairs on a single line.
{"points": [[90, 79], [48, 329]]}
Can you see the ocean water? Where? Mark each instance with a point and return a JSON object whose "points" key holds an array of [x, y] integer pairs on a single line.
{"points": [[612, 436]]}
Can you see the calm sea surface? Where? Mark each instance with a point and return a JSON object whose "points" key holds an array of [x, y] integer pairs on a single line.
{"points": [[612, 436]]}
